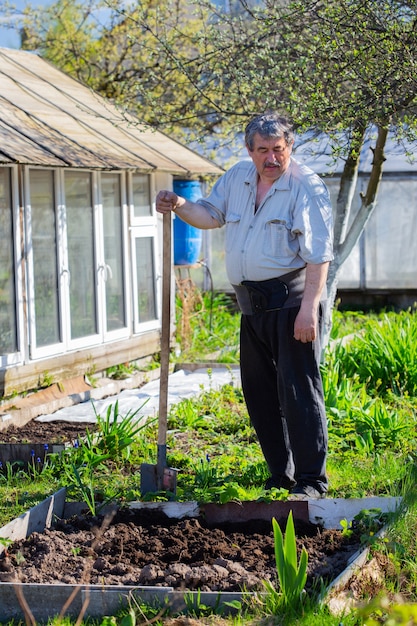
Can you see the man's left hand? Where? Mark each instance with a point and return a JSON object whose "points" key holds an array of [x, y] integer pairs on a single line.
{"points": [[305, 326]]}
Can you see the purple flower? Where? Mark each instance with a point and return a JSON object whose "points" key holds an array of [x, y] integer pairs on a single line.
{"points": [[32, 453]]}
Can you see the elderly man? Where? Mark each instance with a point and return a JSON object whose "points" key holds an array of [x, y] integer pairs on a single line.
{"points": [[278, 220]]}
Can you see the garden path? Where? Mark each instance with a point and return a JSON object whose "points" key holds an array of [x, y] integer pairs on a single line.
{"points": [[181, 384]]}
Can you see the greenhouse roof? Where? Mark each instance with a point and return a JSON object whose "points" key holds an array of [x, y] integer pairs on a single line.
{"points": [[48, 118], [401, 156]]}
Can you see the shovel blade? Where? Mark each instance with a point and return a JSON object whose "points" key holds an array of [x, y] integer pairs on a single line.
{"points": [[154, 478]]}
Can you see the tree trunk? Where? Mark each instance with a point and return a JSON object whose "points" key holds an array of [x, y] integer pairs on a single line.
{"points": [[346, 238]]}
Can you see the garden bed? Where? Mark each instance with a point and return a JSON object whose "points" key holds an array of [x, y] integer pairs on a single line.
{"points": [[141, 547], [31, 443], [145, 550]]}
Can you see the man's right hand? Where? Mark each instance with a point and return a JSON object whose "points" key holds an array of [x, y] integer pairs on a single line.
{"points": [[168, 201], [190, 212]]}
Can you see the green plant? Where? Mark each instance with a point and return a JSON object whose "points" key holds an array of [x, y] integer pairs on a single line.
{"points": [[85, 464], [6, 543], [367, 522], [7, 472], [233, 491], [90, 374], [357, 417], [115, 434], [129, 619], [46, 380], [382, 610], [206, 325], [195, 607], [384, 355], [36, 466], [186, 414], [292, 575], [82, 481], [19, 558], [121, 371], [348, 322], [205, 473], [346, 527]]}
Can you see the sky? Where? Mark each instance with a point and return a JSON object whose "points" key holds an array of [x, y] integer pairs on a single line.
{"points": [[8, 37]]}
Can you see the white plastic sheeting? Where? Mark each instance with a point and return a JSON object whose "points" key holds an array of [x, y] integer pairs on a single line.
{"points": [[182, 384]]}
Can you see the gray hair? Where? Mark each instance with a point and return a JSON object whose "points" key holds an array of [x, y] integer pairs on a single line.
{"points": [[269, 125]]}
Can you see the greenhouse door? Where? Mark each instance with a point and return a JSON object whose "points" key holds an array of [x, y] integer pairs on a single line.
{"points": [[81, 258], [77, 277]]}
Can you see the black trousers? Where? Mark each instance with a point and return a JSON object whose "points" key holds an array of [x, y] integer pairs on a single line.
{"points": [[283, 391]]}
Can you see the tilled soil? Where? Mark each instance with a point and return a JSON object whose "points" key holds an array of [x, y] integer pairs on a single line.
{"points": [[46, 432], [139, 547]]}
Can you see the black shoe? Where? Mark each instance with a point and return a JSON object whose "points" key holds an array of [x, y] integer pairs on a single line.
{"points": [[277, 483], [306, 492]]}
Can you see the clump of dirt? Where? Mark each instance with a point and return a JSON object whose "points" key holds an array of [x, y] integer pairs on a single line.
{"points": [[138, 547]]}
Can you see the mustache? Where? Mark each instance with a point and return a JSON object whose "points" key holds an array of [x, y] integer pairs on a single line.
{"points": [[275, 164]]}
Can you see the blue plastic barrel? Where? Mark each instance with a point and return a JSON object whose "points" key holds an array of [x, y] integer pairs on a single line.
{"points": [[187, 239]]}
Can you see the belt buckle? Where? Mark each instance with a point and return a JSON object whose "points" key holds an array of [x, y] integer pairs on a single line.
{"points": [[258, 301], [257, 297]]}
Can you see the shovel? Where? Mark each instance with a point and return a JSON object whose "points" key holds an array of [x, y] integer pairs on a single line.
{"points": [[160, 477]]}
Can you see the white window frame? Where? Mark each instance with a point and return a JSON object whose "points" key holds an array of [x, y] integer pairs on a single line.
{"points": [[15, 358], [146, 226], [123, 332], [36, 352]]}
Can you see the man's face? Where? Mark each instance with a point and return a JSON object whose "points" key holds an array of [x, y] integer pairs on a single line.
{"points": [[271, 156]]}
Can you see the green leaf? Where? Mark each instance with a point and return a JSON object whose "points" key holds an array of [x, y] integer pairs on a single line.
{"points": [[292, 576]]}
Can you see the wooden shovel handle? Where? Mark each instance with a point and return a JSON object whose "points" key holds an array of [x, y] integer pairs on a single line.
{"points": [[165, 328]]}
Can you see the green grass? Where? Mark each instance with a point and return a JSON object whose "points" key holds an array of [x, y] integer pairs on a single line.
{"points": [[364, 476], [22, 493], [384, 355], [350, 322]]}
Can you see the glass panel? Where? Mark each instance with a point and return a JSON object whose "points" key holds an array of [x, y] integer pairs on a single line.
{"points": [[45, 273], [145, 272], [141, 195], [391, 251], [113, 256], [8, 337], [350, 273], [80, 233]]}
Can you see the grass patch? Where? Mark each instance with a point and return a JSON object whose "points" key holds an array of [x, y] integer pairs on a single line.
{"points": [[21, 493]]}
